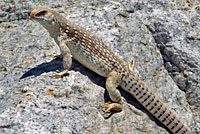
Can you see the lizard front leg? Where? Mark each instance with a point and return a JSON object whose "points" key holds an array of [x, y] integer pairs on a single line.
{"points": [[67, 60], [112, 82]]}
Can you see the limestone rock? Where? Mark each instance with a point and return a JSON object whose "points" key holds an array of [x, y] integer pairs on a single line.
{"points": [[162, 35]]}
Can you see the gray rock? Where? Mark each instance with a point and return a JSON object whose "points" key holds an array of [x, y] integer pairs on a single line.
{"points": [[162, 35]]}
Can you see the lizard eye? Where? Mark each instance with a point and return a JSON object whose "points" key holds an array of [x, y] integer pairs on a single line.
{"points": [[41, 13]]}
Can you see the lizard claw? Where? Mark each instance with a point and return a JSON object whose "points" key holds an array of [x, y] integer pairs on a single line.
{"points": [[60, 74], [59, 56], [108, 107], [131, 65]]}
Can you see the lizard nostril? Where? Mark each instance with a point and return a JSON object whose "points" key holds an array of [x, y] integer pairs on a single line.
{"points": [[32, 14]]}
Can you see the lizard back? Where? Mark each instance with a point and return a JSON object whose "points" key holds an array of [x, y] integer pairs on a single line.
{"points": [[90, 50]]}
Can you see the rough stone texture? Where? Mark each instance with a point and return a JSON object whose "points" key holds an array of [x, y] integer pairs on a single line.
{"points": [[162, 35]]}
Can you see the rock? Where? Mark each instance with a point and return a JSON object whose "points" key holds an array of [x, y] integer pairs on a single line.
{"points": [[163, 36]]}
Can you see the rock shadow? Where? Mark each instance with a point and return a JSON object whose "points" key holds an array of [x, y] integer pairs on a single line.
{"points": [[56, 64]]}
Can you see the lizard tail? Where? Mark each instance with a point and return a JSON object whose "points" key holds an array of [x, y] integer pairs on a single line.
{"points": [[153, 104]]}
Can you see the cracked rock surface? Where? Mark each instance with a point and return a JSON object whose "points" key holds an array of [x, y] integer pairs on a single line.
{"points": [[162, 35]]}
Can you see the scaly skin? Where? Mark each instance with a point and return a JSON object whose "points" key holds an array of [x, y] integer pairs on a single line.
{"points": [[90, 51]]}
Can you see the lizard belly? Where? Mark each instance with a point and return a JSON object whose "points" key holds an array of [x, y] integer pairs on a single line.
{"points": [[91, 62]]}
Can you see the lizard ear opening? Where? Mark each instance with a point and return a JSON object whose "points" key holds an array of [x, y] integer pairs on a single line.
{"points": [[41, 13]]}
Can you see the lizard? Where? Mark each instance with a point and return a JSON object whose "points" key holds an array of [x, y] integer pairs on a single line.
{"points": [[75, 41]]}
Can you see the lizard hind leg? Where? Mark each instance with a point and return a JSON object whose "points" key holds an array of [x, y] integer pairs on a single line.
{"points": [[131, 65], [112, 82]]}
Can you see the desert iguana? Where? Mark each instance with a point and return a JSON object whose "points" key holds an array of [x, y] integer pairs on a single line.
{"points": [[90, 51]]}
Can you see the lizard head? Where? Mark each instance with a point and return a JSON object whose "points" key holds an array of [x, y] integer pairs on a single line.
{"points": [[46, 17]]}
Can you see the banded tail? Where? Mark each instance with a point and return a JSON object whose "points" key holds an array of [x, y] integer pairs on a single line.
{"points": [[153, 104]]}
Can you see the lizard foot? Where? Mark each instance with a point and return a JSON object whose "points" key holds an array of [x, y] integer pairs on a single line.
{"points": [[59, 74], [112, 107], [57, 56]]}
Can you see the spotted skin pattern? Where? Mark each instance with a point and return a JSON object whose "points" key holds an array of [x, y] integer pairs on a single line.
{"points": [[90, 51]]}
